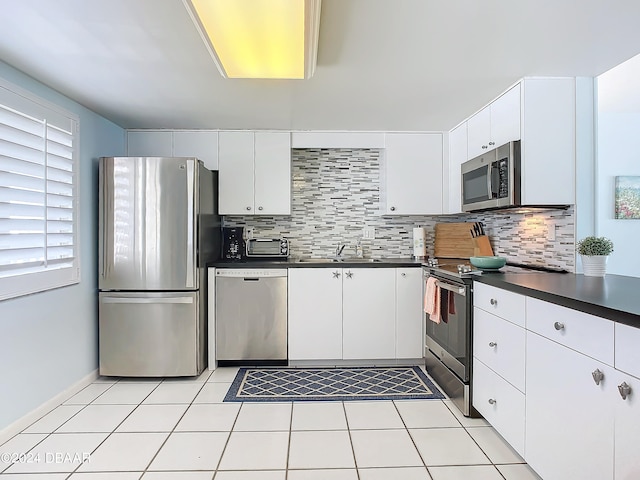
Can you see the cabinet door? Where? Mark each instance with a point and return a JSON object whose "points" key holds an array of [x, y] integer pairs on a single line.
{"points": [[273, 173], [505, 118], [150, 144], [368, 313], [409, 314], [478, 133], [627, 428], [413, 174], [500, 403], [315, 313], [457, 156], [235, 163], [201, 144], [569, 419]]}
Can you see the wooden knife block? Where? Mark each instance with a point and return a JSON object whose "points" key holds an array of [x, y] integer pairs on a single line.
{"points": [[482, 247]]}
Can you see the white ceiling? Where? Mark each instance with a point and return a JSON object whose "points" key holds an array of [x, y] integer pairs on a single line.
{"points": [[382, 64]]}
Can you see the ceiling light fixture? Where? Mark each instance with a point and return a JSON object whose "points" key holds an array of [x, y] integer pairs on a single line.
{"points": [[259, 38]]}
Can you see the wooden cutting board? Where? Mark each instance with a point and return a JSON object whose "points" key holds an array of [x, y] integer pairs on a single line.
{"points": [[454, 240]]}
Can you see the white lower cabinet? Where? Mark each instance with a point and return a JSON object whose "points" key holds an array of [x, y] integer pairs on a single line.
{"points": [[576, 411], [569, 419], [626, 426], [500, 403], [368, 313], [409, 313], [315, 313], [355, 313]]}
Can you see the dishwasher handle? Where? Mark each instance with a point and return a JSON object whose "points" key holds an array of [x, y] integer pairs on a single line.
{"points": [[251, 279]]}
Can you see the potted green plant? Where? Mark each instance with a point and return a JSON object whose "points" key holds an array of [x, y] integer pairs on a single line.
{"points": [[594, 252]]}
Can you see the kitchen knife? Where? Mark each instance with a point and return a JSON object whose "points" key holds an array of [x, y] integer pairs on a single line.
{"points": [[473, 234], [481, 225]]}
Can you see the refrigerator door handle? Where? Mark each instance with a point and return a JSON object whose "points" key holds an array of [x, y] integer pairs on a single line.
{"points": [[102, 218], [147, 300], [190, 233]]}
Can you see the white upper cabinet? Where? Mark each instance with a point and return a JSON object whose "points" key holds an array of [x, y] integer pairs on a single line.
{"points": [[202, 144], [457, 156], [411, 174], [255, 173], [150, 143], [272, 170], [548, 147], [496, 124]]}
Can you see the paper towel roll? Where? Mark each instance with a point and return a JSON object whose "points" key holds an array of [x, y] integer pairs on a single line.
{"points": [[419, 242]]}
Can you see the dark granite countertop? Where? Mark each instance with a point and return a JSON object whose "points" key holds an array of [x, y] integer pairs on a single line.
{"points": [[615, 297], [318, 263]]}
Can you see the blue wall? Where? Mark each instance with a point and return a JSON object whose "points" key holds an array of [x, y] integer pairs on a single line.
{"points": [[49, 340]]}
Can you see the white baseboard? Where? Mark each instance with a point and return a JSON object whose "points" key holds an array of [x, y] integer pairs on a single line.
{"points": [[23, 422]]}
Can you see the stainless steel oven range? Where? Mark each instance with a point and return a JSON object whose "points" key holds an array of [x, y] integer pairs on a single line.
{"points": [[449, 355]]}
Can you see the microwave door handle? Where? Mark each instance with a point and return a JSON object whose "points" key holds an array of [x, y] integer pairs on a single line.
{"points": [[489, 181]]}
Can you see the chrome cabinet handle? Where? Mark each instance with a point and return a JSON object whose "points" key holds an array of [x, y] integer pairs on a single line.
{"points": [[492, 401], [349, 274], [336, 274], [493, 302], [493, 344], [597, 375], [624, 389], [393, 209], [558, 326]]}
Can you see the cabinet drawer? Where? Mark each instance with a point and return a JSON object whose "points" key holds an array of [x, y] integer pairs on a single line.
{"points": [[627, 354], [500, 403], [500, 345], [504, 304], [593, 336]]}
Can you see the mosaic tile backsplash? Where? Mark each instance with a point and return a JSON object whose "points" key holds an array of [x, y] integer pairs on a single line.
{"points": [[336, 194]]}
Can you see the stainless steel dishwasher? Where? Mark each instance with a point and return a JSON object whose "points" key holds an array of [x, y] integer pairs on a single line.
{"points": [[251, 316]]}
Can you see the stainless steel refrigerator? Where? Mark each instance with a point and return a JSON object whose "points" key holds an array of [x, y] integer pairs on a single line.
{"points": [[158, 229]]}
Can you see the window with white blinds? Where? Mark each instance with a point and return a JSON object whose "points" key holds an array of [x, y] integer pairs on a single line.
{"points": [[38, 196]]}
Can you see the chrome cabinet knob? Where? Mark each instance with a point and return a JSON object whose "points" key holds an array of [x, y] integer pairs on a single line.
{"points": [[493, 302], [492, 143], [492, 401], [493, 344], [393, 209], [260, 208], [336, 274], [625, 390], [484, 147], [597, 375], [403, 274], [558, 326], [349, 274], [248, 208]]}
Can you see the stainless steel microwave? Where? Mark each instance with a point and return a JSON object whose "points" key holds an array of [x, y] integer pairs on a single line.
{"points": [[492, 180]]}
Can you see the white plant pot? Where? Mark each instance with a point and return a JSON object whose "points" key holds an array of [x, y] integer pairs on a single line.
{"points": [[594, 265]]}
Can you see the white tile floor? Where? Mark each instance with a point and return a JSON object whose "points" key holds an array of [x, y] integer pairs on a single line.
{"points": [[179, 429]]}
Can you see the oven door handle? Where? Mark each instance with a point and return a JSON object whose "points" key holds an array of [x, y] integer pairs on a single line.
{"points": [[452, 288]]}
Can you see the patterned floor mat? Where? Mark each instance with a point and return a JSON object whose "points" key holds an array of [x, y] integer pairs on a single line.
{"points": [[331, 384]]}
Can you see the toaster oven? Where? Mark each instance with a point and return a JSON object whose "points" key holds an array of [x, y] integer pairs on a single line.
{"points": [[267, 248]]}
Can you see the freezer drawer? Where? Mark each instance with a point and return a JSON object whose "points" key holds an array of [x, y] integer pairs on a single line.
{"points": [[151, 334]]}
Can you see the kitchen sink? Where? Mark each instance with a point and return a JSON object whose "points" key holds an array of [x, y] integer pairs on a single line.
{"points": [[336, 260], [316, 260]]}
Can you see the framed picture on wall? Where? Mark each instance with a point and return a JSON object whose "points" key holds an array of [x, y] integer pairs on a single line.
{"points": [[628, 197]]}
